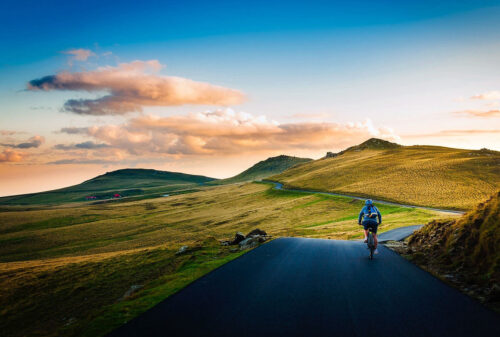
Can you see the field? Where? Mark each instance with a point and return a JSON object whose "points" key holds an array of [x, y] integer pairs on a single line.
{"points": [[128, 183], [419, 175], [66, 269]]}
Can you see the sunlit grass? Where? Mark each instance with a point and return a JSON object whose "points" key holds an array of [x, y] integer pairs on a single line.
{"points": [[419, 175], [64, 268]]}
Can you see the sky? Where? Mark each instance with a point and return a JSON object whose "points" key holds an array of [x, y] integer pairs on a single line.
{"points": [[212, 87]]}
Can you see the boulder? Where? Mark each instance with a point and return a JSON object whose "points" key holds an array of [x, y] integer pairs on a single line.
{"points": [[238, 237], [256, 232], [249, 243]]}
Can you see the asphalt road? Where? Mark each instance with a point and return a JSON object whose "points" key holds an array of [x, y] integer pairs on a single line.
{"points": [[314, 287], [279, 186], [398, 234]]}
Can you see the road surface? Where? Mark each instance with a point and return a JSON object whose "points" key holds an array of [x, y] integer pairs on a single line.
{"points": [[279, 186], [398, 234], [315, 287]]}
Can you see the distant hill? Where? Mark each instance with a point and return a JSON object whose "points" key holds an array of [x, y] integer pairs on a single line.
{"points": [[467, 248], [126, 183], [264, 169], [420, 175]]}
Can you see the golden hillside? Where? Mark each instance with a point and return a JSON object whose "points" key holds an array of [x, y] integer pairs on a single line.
{"points": [[467, 248], [419, 175]]}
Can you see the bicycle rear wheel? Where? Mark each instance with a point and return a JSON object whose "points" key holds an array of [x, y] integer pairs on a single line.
{"points": [[371, 244]]}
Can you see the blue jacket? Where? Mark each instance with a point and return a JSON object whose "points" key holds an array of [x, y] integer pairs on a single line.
{"points": [[363, 215]]}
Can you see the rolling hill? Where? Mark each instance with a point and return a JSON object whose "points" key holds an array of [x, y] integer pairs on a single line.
{"points": [[420, 175], [125, 182], [264, 169]]}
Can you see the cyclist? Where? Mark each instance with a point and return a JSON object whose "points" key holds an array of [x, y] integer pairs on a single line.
{"points": [[368, 219]]}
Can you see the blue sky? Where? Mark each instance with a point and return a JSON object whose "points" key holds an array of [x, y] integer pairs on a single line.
{"points": [[408, 66]]}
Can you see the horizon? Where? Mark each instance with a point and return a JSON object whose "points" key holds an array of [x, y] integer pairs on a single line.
{"points": [[211, 89], [251, 165]]}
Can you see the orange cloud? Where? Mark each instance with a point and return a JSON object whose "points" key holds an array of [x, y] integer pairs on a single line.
{"points": [[224, 132], [79, 54], [33, 142], [487, 95], [9, 155], [132, 86], [480, 113], [452, 133]]}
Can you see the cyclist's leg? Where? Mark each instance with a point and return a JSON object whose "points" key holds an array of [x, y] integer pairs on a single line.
{"points": [[374, 231], [365, 227]]}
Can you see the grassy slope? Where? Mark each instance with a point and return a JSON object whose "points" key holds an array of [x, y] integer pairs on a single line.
{"points": [[264, 169], [71, 258], [126, 182], [468, 247], [420, 175]]}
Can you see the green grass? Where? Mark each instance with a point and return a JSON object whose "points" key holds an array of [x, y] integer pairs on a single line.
{"points": [[83, 296], [131, 184], [264, 169], [64, 268], [419, 175]]}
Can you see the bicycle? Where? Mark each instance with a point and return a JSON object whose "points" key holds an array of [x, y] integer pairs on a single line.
{"points": [[370, 241]]}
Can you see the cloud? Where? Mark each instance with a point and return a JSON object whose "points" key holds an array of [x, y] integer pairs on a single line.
{"points": [[130, 87], [73, 130], [9, 132], [33, 142], [487, 95], [85, 146], [9, 155], [79, 54], [480, 113], [225, 132], [80, 161], [453, 133]]}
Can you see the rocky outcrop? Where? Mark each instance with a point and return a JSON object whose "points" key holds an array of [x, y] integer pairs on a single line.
{"points": [[251, 240]]}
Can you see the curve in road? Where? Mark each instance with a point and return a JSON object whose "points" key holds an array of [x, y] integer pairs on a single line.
{"points": [[398, 234], [314, 287], [279, 186]]}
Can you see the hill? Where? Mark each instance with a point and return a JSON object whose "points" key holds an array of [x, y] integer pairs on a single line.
{"points": [[420, 175], [264, 169], [467, 249], [125, 182]]}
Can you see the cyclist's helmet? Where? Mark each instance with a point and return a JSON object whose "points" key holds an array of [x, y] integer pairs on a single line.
{"points": [[369, 202]]}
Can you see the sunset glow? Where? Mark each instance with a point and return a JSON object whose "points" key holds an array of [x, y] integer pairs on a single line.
{"points": [[210, 89]]}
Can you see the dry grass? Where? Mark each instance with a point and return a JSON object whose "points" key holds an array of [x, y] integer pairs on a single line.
{"points": [[467, 248], [420, 175], [63, 269]]}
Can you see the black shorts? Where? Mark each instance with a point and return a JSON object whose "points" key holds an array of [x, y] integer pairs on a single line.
{"points": [[371, 224]]}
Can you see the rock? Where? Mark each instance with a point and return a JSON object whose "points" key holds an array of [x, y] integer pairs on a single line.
{"points": [[249, 243], [238, 237], [182, 250], [256, 232], [233, 250]]}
